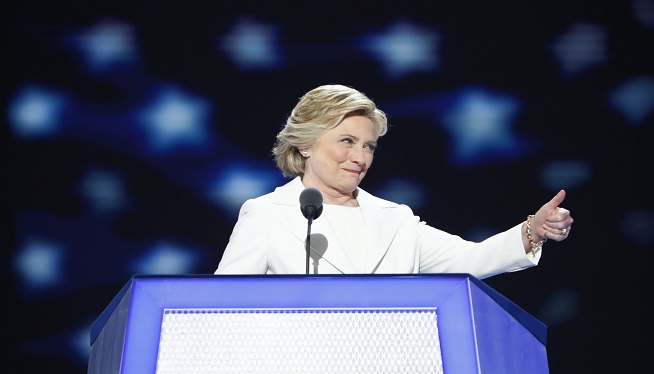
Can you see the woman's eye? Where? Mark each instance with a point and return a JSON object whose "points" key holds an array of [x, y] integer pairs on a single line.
{"points": [[371, 147], [347, 140]]}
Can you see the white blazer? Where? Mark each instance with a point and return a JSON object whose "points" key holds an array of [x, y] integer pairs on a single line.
{"points": [[269, 238]]}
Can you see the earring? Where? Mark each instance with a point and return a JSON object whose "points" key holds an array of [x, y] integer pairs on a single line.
{"points": [[305, 153]]}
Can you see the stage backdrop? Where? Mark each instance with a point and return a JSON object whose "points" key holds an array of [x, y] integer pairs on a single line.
{"points": [[135, 130]]}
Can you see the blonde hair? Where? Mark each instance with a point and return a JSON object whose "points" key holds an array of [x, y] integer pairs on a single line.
{"points": [[317, 112]]}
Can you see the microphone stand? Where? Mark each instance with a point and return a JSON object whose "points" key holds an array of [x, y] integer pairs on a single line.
{"points": [[307, 243]]}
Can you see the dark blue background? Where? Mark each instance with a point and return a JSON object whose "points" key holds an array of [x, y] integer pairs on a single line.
{"points": [[95, 187]]}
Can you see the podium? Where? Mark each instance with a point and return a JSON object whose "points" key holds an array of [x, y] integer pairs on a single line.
{"points": [[439, 323]]}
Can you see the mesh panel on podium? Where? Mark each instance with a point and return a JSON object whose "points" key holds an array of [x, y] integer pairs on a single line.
{"points": [[299, 341]]}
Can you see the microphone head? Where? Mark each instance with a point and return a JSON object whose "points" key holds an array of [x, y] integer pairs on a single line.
{"points": [[311, 203]]}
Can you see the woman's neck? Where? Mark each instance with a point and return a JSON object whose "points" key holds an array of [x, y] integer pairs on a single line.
{"points": [[349, 201], [333, 197]]}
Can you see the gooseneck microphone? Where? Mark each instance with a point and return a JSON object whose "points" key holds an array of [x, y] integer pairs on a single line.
{"points": [[311, 208], [311, 203]]}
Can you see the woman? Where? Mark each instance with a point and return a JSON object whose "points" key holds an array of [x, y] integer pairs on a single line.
{"points": [[328, 143]]}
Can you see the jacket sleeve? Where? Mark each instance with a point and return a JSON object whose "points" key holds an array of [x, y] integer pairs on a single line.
{"points": [[441, 252], [246, 252]]}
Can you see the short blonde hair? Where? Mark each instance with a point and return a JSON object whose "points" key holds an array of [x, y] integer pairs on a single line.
{"points": [[317, 112]]}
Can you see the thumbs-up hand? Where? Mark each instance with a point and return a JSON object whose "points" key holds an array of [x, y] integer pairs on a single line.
{"points": [[551, 221]]}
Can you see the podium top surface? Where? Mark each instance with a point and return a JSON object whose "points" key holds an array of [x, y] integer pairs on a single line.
{"points": [[310, 291]]}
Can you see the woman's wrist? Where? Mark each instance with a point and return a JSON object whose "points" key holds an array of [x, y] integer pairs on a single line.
{"points": [[534, 246]]}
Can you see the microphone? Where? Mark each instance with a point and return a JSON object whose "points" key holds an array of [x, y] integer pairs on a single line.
{"points": [[311, 203], [311, 208]]}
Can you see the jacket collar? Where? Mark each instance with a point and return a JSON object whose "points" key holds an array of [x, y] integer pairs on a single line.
{"points": [[381, 224]]}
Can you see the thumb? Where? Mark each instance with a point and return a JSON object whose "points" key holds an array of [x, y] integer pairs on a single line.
{"points": [[556, 201]]}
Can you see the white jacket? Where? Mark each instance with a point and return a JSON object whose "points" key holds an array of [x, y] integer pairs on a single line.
{"points": [[270, 234]]}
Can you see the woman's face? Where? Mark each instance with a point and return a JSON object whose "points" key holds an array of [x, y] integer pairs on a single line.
{"points": [[340, 158]]}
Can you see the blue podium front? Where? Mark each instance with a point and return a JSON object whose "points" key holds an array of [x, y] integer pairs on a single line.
{"points": [[450, 323]]}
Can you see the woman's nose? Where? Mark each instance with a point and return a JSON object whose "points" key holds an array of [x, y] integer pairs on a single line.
{"points": [[357, 155]]}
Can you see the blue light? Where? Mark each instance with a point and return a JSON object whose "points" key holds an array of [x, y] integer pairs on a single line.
{"points": [[166, 258], [104, 190], [403, 48], [403, 191], [634, 100], [479, 124], [175, 120], [36, 112], [252, 45], [107, 45], [558, 174], [582, 47], [79, 342], [39, 264], [242, 181]]}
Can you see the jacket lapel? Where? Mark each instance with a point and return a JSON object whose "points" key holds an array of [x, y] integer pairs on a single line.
{"points": [[382, 226]]}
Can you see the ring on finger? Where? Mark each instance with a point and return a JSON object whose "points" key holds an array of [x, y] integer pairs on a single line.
{"points": [[564, 231]]}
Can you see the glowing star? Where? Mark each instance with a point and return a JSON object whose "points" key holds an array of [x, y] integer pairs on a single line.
{"points": [[404, 48], [557, 174], [107, 45], [582, 47], [40, 263], [240, 182], [175, 120], [252, 45], [35, 112], [635, 99], [166, 258], [479, 124], [103, 190]]}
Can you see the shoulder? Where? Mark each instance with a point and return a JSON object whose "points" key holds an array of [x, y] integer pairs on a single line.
{"points": [[367, 199]]}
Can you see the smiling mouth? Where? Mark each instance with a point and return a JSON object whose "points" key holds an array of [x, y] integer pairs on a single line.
{"points": [[353, 171]]}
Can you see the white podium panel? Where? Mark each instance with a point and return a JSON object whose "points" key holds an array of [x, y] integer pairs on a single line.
{"points": [[299, 341]]}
